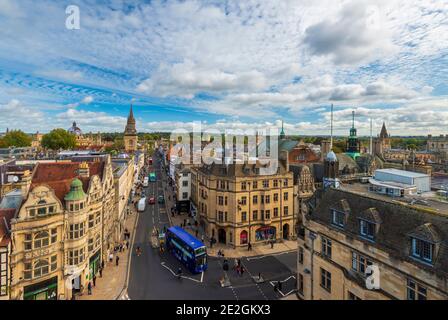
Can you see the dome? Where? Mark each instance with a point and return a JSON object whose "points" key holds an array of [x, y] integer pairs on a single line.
{"points": [[76, 192], [331, 156], [75, 130]]}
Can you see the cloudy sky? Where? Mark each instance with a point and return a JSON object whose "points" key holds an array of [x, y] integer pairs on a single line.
{"points": [[229, 64]]}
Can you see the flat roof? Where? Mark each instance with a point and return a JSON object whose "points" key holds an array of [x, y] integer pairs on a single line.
{"points": [[399, 172]]}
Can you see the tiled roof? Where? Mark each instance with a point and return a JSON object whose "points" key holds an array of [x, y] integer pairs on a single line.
{"points": [[397, 223], [59, 175]]}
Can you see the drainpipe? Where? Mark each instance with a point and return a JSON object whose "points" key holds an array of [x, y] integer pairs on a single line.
{"points": [[312, 237]]}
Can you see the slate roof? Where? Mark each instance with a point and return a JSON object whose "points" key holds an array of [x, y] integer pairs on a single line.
{"points": [[397, 223]]}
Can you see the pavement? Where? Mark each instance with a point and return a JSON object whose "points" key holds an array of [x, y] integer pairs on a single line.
{"points": [[112, 285]]}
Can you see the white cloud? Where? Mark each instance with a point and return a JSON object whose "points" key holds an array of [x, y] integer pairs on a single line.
{"points": [[87, 100]]}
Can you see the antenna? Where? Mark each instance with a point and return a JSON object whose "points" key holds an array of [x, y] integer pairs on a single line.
{"points": [[331, 128], [353, 118], [371, 151]]}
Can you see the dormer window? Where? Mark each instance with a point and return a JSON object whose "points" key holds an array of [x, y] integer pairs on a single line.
{"points": [[338, 218], [367, 229], [422, 250]]}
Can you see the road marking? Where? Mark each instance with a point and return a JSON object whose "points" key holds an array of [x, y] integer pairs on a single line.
{"points": [[269, 255], [273, 283], [202, 276], [256, 284], [174, 274]]}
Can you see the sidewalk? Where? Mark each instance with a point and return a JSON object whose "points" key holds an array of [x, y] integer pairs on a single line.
{"points": [[111, 285], [257, 249]]}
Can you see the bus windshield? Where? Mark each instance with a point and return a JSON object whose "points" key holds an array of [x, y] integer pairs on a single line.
{"points": [[199, 251]]}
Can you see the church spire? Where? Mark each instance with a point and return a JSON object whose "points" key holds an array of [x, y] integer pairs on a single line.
{"points": [[383, 133], [282, 133], [130, 125]]}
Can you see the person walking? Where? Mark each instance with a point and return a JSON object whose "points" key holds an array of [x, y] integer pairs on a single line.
{"points": [[272, 244], [241, 271], [94, 280], [101, 272], [249, 247], [111, 257], [117, 258], [89, 289]]}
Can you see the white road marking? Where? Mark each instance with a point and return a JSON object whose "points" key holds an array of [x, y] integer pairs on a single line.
{"points": [[174, 274], [202, 276], [273, 283]]}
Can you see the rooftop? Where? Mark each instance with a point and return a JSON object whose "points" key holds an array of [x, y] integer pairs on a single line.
{"points": [[403, 173]]}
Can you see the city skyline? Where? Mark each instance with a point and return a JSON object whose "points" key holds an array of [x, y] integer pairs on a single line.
{"points": [[230, 65]]}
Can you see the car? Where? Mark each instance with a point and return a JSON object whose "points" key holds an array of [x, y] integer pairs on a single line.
{"points": [[152, 200], [161, 199]]}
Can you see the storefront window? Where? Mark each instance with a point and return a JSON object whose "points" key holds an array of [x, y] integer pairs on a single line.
{"points": [[243, 237], [265, 233]]}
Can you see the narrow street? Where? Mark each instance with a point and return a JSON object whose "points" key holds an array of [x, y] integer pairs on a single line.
{"points": [[152, 273]]}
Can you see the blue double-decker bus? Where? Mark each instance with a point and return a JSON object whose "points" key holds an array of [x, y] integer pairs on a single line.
{"points": [[187, 249]]}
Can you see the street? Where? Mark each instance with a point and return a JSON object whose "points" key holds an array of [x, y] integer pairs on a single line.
{"points": [[152, 274]]}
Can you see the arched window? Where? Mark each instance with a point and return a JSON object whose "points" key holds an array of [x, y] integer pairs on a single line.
{"points": [[40, 268], [41, 239]]}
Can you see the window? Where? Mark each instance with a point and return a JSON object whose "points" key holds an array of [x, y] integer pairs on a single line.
{"points": [[275, 212], [41, 211], [184, 195], [243, 216], [255, 199], [32, 212], [268, 214], [338, 218], [91, 220], [262, 199], [27, 270], [285, 210], [220, 216], [90, 245], [76, 230], [40, 268], [275, 183], [325, 279], [300, 283], [415, 291], [220, 200], [28, 241], [285, 182], [54, 235], [54, 262], [3, 273], [326, 247], [422, 250], [275, 196], [243, 201], [243, 186], [76, 256], [41, 240], [351, 296], [300, 255], [268, 199], [367, 229], [360, 262], [255, 185], [255, 215], [97, 218], [184, 183], [265, 183], [285, 196]]}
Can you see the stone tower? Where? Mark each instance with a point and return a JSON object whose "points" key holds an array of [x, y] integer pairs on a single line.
{"points": [[130, 134]]}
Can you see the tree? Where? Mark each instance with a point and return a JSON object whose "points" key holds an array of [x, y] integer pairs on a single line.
{"points": [[58, 139], [15, 138]]}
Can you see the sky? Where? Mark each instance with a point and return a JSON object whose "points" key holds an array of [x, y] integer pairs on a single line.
{"points": [[229, 64]]}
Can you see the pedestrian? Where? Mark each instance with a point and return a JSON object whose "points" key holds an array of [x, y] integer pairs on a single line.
{"points": [[235, 264], [249, 247], [101, 272], [111, 257], [127, 244], [89, 288], [241, 270], [272, 244], [202, 238], [94, 280], [117, 258]]}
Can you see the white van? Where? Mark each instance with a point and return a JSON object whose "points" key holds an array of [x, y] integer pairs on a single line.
{"points": [[141, 204], [146, 182]]}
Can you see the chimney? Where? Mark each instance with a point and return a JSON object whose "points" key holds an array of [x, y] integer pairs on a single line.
{"points": [[84, 171]]}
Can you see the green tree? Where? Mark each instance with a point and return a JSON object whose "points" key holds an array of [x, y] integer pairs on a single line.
{"points": [[15, 138], [58, 139]]}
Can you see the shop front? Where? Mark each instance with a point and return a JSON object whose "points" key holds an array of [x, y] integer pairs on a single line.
{"points": [[45, 290], [265, 233], [94, 264], [243, 237]]}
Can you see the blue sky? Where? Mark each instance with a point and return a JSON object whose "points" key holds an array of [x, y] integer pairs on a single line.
{"points": [[229, 64]]}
